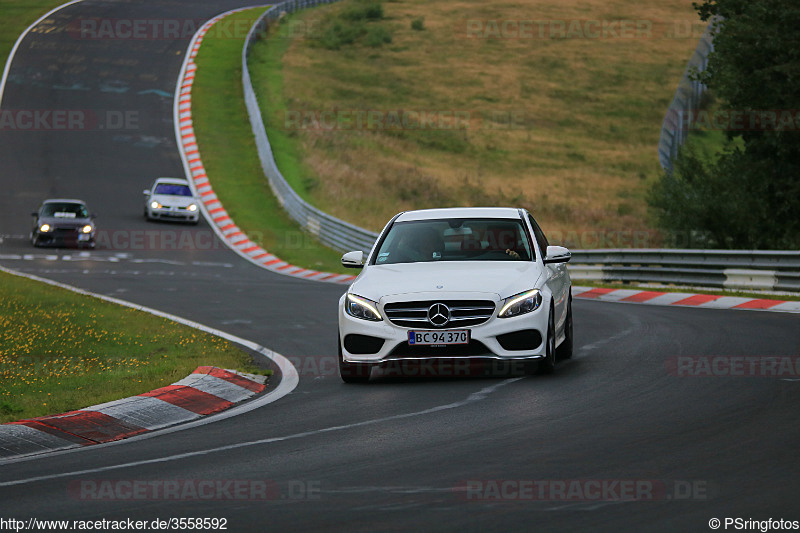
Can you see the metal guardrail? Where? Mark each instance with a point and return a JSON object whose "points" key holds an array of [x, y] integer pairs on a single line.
{"points": [[685, 104], [730, 269], [713, 268], [331, 231], [719, 259]]}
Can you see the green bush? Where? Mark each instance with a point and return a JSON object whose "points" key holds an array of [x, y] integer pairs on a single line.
{"points": [[364, 11], [377, 36], [338, 34], [353, 24], [418, 24]]}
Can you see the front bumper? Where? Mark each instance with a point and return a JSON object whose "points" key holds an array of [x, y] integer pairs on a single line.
{"points": [[364, 341], [66, 238], [173, 213]]}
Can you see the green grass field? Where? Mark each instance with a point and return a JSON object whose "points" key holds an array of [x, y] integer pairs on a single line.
{"points": [[61, 351], [226, 143]]}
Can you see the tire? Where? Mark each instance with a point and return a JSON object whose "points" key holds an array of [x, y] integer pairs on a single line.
{"points": [[352, 372], [35, 240], [564, 351], [548, 364]]}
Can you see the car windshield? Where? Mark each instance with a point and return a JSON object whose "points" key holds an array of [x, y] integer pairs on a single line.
{"points": [[479, 239], [173, 189], [64, 210]]}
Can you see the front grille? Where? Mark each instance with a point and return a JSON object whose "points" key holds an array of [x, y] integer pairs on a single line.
{"points": [[463, 313], [60, 233]]}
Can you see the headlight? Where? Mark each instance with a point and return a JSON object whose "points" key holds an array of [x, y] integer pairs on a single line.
{"points": [[44, 228], [361, 308], [155, 205], [521, 303], [87, 228], [192, 207]]}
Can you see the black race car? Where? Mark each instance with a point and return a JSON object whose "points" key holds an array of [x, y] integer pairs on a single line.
{"points": [[63, 222]]}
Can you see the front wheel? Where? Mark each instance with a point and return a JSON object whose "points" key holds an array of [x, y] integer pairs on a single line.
{"points": [[548, 364], [352, 372], [564, 350]]}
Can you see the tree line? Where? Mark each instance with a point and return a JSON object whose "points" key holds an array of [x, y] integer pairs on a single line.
{"points": [[747, 196]]}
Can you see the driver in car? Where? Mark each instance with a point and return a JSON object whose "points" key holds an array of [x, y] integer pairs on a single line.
{"points": [[419, 244]]}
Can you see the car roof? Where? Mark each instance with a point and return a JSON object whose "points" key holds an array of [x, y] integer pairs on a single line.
{"points": [[459, 212], [173, 181], [64, 200]]}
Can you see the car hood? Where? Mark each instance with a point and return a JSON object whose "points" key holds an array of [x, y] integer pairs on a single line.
{"points": [[63, 222], [499, 278], [169, 199]]}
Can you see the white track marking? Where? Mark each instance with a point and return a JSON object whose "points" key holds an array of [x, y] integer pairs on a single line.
{"points": [[474, 397]]}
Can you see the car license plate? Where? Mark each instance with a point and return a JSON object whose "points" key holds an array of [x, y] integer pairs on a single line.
{"points": [[438, 338]]}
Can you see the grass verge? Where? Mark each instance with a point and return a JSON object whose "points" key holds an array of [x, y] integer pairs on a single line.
{"points": [[225, 140], [565, 124], [61, 351], [18, 15]]}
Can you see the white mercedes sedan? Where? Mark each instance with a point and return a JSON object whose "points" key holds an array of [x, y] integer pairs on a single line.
{"points": [[457, 284]]}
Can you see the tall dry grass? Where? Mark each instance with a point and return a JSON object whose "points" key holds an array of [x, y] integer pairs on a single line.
{"points": [[566, 125]]}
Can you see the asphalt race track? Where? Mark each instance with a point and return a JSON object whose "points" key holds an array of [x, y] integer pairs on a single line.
{"points": [[398, 454]]}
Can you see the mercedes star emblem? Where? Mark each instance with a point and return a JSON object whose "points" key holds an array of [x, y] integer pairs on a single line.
{"points": [[438, 315]]}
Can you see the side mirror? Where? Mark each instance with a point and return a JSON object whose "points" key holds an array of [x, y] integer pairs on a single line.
{"points": [[146, 192], [557, 254], [34, 213], [93, 215], [353, 260]]}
